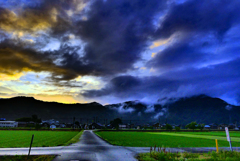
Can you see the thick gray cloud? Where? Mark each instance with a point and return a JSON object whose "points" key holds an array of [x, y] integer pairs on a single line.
{"points": [[200, 16], [220, 80], [116, 32]]}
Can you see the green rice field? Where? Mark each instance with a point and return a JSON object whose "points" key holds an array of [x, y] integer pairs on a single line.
{"points": [[10, 139], [167, 139], [213, 133]]}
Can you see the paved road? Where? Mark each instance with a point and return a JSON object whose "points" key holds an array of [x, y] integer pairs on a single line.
{"points": [[92, 148]]}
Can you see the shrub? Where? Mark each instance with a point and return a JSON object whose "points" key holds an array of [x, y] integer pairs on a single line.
{"points": [[169, 127]]}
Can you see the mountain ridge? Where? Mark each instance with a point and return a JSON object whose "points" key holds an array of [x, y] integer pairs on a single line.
{"points": [[200, 108]]}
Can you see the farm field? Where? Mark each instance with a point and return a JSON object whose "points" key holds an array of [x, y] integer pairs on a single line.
{"points": [[194, 135], [11, 139], [212, 133], [167, 139]]}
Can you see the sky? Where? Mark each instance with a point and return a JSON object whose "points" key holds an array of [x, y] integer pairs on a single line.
{"points": [[111, 51]]}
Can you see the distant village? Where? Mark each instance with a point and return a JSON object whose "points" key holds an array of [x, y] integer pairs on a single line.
{"points": [[114, 124]]}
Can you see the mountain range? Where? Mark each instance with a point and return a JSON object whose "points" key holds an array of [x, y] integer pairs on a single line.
{"points": [[200, 108]]}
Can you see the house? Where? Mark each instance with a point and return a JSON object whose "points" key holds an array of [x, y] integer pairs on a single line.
{"points": [[62, 125], [231, 126], [8, 124], [123, 126], [213, 126], [96, 126], [222, 126], [139, 127], [207, 127], [50, 122], [109, 126], [52, 126], [130, 126]]}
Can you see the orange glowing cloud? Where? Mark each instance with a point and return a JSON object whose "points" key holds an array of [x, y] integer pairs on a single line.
{"points": [[68, 99]]}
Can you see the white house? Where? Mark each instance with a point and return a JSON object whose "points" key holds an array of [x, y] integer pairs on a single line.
{"points": [[122, 126], [52, 126], [8, 124]]}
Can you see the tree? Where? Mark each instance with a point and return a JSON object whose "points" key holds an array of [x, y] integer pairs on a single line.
{"points": [[169, 127], [200, 126], [192, 126], [24, 119], [77, 124], [115, 123], [35, 119], [177, 128]]}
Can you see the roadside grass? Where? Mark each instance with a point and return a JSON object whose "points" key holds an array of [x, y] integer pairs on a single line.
{"points": [[74, 139], [147, 139], [25, 158], [211, 156], [12, 139]]}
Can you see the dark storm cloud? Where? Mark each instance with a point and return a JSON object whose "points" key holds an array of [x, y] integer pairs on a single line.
{"points": [[179, 55], [116, 32], [200, 16], [202, 27], [220, 80], [129, 86]]}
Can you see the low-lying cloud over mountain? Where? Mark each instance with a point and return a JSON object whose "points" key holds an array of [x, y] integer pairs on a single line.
{"points": [[201, 108]]}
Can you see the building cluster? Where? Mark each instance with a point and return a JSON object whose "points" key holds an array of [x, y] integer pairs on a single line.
{"points": [[52, 123]]}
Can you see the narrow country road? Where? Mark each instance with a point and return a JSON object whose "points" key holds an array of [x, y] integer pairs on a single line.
{"points": [[92, 148]]}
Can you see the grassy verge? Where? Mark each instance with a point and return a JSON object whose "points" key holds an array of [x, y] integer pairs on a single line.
{"points": [[147, 139], [25, 158], [212, 156], [11, 139], [74, 139]]}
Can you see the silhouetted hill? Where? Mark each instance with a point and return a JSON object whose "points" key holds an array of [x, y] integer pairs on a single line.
{"points": [[201, 108], [27, 106]]}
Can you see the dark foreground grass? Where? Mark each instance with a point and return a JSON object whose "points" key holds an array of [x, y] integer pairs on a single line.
{"points": [[26, 158], [211, 156], [11, 139], [145, 139]]}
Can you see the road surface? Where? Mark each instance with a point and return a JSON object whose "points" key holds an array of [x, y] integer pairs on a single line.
{"points": [[92, 148]]}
